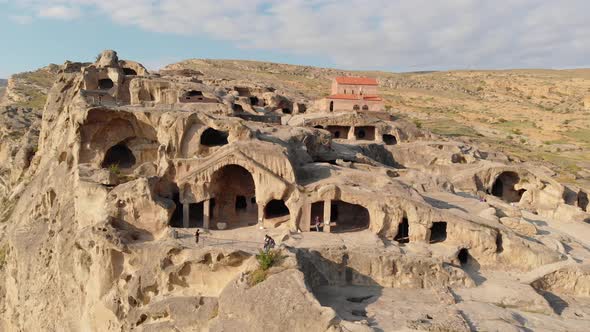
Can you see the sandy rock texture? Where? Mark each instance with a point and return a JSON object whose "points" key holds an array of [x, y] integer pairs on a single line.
{"points": [[380, 225]]}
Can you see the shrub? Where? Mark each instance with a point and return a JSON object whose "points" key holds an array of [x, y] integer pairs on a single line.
{"points": [[418, 123], [114, 169], [267, 259]]}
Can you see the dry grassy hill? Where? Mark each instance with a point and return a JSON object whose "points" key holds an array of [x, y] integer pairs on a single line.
{"points": [[3, 83], [535, 115]]}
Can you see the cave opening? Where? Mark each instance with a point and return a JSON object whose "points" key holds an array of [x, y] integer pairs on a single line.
{"points": [[276, 208], [389, 139], [403, 231], [120, 156], [463, 256], [234, 191], [348, 217], [504, 187], [129, 72], [438, 232], [212, 137]]}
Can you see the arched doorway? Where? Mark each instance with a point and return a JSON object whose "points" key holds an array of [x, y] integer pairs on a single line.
{"points": [[275, 209], [365, 108], [331, 106], [389, 139], [356, 107], [348, 217], [129, 72], [403, 231], [119, 156], [233, 188], [503, 187]]}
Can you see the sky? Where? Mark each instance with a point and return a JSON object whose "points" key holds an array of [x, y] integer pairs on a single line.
{"points": [[391, 35]]}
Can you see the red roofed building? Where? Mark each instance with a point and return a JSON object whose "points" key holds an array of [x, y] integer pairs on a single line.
{"points": [[354, 94]]}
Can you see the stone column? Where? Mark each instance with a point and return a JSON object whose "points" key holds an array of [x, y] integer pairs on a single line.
{"points": [[206, 213], [305, 222], [351, 135], [378, 136], [260, 215], [185, 216], [327, 213]]}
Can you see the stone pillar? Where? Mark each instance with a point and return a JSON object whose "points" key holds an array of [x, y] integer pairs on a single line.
{"points": [[260, 215], [185, 216], [351, 135], [327, 213], [305, 223], [206, 213], [378, 136]]}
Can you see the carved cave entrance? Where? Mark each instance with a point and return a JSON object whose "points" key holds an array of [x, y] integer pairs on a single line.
{"points": [[105, 84], [503, 187], [212, 137], [338, 131], [235, 203], [438, 232], [365, 133], [348, 217], [403, 231], [389, 139], [276, 209], [119, 156], [129, 72]]}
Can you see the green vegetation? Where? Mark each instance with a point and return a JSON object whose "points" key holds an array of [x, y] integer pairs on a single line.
{"points": [[114, 169], [265, 261], [34, 86]]}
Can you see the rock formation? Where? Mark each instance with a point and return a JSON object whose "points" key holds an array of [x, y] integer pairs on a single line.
{"points": [[102, 209]]}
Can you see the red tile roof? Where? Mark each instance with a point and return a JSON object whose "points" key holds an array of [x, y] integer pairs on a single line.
{"points": [[356, 80], [355, 97]]}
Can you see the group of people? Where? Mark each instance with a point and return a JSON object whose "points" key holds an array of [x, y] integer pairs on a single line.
{"points": [[269, 242]]}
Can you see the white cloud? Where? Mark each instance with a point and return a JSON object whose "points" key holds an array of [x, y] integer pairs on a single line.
{"points": [[402, 34], [59, 12]]}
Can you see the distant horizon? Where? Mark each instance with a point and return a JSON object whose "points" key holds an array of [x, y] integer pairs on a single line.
{"points": [[309, 65], [384, 35]]}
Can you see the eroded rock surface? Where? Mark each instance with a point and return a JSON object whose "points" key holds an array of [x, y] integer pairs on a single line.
{"points": [[380, 225]]}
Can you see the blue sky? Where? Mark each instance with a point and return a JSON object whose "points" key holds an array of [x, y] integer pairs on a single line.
{"points": [[352, 34]]}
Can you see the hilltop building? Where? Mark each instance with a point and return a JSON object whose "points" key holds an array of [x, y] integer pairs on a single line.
{"points": [[353, 94]]}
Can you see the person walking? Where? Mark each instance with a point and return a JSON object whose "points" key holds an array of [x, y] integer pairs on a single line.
{"points": [[197, 234]]}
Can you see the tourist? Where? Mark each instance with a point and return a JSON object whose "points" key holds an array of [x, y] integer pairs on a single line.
{"points": [[197, 233], [269, 243], [317, 223]]}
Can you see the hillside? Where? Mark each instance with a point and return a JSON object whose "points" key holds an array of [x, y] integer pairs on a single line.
{"points": [[3, 83], [534, 115]]}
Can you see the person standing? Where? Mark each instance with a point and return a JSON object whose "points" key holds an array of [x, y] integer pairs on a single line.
{"points": [[197, 233]]}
